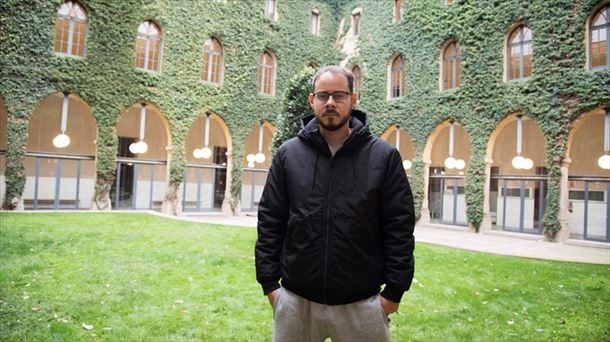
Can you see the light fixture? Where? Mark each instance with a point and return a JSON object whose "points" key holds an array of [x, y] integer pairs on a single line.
{"points": [[450, 162], [406, 164], [520, 162], [260, 156], [204, 152], [62, 139], [604, 160], [140, 147]]}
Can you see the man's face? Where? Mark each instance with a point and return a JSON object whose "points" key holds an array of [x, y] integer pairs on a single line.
{"points": [[332, 114]]}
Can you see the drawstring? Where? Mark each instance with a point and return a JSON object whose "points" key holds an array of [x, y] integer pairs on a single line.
{"points": [[315, 170]]}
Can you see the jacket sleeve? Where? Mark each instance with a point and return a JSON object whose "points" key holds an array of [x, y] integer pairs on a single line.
{"points": [[397, 217], [272, 218]]}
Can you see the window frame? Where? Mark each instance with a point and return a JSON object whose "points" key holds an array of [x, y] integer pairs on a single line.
{"points": [[71, 33], [518, 29], [397, 11], [401, 73], [590, 30], [272, 74], [315, 18], [207, 74], [454, 63], [148, 38]]}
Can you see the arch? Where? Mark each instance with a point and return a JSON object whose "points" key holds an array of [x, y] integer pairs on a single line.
{"points": [[71, 29], [141, 177], [355, 69], [586, 143], [213, 61], [156, 131], [505, 134], [252, 143], [396, 77], [435, 154], [450, 65], [518, 52], [60, 176], [597, 28], [267, 73], [406, 148], [149, 46], [219, 137]]}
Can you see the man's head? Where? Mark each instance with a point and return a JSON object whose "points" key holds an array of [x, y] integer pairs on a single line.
{"points": [[332, 98]]}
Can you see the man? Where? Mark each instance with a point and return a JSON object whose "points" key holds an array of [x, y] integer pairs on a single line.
{"points": [[335, 224]]}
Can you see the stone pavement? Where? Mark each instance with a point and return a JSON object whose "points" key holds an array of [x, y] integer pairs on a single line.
{"points": [[495, 242]]}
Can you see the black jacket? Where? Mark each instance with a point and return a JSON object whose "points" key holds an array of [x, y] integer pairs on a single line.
{"points": [[335, 229]]}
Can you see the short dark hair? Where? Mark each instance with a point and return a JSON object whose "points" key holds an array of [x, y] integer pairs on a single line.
{"points": [[337, 70]]}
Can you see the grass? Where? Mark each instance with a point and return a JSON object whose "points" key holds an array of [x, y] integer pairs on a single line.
{"points": [[136, 277]]}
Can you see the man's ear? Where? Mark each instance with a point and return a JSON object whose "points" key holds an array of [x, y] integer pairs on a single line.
{"points": [[311, 98], [354, 100]]}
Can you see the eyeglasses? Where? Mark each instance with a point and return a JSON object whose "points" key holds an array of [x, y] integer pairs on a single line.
{"points": [[339, 96]]}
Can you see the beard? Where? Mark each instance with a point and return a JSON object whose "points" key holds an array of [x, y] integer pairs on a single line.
{"points": [[332, 123]]}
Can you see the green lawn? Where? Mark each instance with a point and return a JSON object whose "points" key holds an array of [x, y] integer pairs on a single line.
{"points": [[136, 277]]}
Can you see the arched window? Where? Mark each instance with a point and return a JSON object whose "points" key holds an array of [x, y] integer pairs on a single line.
{"points": [[71, 29], [397, 10], [519, 54], [397, 78], [266, 75], [148, 46], [451, 66], [599, 35], [357, 79], [212, 61]]}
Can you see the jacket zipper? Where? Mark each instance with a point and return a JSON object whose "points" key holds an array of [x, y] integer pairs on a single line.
{"points": [[330, 190]]}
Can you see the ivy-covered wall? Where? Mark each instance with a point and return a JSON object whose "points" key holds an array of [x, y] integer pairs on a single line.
{"points": [[559, 90], [108, 81]]}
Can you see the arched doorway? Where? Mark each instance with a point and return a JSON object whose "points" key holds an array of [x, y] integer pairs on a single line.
{"points": [[589, 177], [60, 157], [518, 178], [257, 160], [3, 147], [204, 187], [448, 152], [399, 138], [141, 173]]}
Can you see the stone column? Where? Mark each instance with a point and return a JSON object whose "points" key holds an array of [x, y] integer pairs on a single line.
{"points": [[486, 223], [564, 190], [425, 210], [226, 202]]}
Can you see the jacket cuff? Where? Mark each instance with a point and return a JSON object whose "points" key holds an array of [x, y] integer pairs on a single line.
{"points": [[270, 287], [392, 293]]}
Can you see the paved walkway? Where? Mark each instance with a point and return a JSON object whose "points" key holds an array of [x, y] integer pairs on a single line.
{"points": [[522, 245]]}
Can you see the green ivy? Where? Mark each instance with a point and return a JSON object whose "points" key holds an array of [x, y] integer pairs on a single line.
{"points": [[109, 82], [559, 91]]}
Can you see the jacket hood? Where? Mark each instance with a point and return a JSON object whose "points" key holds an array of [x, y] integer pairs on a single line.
{"points": [[358, 122]]}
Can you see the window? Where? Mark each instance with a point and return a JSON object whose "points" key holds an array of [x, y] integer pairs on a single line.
{"points": [[270, 9], [356, 24], [148, 46], [70, 29], [519, 54], [266, 75], [450, 72], [397, 78], [397, 10], [599, 35], [357, 79], [315, 22], [212, 61]]}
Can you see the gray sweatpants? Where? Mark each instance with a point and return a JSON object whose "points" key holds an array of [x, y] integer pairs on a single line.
{"points": [[298, 319]]}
